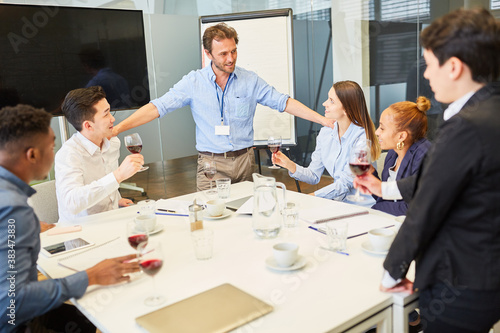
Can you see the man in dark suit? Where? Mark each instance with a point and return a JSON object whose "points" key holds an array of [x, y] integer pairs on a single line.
{"points": [[452, 228]]}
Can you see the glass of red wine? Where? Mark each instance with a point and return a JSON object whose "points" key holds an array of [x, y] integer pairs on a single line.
{"points": [[136, 236], [360, 163], [133, 143], [274, 144], [151, 261]]}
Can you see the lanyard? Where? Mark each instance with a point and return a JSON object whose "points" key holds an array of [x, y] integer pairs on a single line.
{"points": [[221, 104]]}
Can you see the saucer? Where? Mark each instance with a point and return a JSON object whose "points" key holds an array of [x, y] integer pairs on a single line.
{"points": [[159, 227], [367, 247], [272, 264], [225, 213]]}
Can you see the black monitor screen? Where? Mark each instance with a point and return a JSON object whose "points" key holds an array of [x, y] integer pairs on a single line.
{"points": [[47, 51]]}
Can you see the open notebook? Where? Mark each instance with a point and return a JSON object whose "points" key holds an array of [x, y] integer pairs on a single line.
{"points": [[217, 310]]}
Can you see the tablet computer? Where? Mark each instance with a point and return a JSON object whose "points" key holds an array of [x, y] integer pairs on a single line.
{"points": [[65, 247]]}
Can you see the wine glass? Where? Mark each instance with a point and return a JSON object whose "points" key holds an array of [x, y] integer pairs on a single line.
{"points": [[151, 261], [136, 236], [209, 169], [274, 144], [359, 162], [133, 143]]}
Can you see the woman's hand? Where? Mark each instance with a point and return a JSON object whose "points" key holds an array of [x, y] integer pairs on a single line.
{"points": [[283, 161]]}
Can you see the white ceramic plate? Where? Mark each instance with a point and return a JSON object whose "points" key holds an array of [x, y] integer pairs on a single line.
{"points": [[159, 227], [367, 247], [271, 263], [225, 214]]}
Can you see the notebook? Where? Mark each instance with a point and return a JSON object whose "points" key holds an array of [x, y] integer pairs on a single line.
{"points": [[217, 310], [236, 204]]}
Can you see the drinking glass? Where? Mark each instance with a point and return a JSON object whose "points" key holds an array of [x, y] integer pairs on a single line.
{"points": [[151, 261], [133, 143], [274, 144], [136, 236], [209, 169], [359, 162]]}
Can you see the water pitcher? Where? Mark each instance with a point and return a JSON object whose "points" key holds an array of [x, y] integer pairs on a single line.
{"points": [[266, 217]]}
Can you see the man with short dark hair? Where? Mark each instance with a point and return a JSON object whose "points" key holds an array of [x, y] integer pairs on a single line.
{"points": [[27, 154], [86, 166], [223, 99], [452, 228]]}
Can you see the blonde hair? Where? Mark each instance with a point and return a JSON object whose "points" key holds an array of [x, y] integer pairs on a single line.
{"points": [[411, 117]]}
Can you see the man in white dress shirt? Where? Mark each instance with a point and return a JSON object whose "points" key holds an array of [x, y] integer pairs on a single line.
{"points": [[86, 166]]}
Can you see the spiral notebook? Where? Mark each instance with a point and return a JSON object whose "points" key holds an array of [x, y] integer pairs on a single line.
{"points": [[89, 257], [220, 309]]}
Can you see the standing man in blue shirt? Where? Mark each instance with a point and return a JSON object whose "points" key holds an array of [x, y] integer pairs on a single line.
{"points": [[223, 99], [27, 154]]}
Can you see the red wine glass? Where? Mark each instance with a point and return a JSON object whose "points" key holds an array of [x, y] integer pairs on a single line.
{"points": [[136, 235], [209, 169], [133, 143], [359, 162], [151, 261], [274, 144]]}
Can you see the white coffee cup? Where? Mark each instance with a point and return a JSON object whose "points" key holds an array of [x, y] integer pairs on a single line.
{"points": [[145, 222], [285, 254], [216, 207], [381, 238]]}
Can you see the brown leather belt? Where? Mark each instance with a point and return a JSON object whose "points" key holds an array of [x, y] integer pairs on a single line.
{"points": [[227, 154]]}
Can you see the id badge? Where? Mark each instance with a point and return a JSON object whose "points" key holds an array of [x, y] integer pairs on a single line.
{"points": [[221, 130]]}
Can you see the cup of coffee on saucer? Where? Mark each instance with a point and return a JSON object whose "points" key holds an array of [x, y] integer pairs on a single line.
{"points": [[381, 239], [215, 207], [146, 220], [285, 254]]}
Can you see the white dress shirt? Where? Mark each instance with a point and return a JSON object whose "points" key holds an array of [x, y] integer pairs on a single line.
{"points": [[85, 183]]}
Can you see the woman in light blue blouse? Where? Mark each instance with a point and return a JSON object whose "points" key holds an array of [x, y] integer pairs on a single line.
{"points": [[346, 104]]}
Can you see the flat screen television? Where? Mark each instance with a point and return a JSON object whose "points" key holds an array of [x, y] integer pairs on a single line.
{"points": [[46, 51]]}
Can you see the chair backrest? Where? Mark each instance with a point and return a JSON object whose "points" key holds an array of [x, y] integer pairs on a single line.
{"points": [[380, 163], [44, 201]]}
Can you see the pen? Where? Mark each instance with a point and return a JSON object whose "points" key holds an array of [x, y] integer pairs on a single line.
{"points": [[167, 210], [318, 230], [171, 214]]}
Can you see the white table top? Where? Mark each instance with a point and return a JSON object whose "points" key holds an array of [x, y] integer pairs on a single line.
{"points": [[331, 293]]}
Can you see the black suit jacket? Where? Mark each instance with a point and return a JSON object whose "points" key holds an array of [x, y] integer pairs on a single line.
{"points": [[452, 228]]}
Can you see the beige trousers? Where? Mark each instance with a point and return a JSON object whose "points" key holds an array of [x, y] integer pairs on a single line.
{"points": [[238, 169]]}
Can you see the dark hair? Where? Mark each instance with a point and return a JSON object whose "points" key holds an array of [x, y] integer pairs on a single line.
{"points": [[473, 36], [353, 100], [218, 32], [78, 105], [20, 124], [411, 117]]}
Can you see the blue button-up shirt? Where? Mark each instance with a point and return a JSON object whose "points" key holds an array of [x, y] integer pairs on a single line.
{"points": [[332, 154], [244, 89], [22, 297]]}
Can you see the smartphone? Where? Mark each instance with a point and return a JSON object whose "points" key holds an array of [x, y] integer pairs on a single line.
{"points": [[65, 247]]}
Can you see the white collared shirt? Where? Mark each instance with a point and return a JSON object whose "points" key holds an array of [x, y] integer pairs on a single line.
{"points": [[85, 183]]}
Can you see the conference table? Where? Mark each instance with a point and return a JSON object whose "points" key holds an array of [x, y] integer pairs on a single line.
{"points": [[333, 292]]}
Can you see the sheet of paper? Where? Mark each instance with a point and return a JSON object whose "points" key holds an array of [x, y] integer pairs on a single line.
{"points": [[178, 206]]}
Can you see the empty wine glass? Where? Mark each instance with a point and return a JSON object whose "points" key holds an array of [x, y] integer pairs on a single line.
{"points": [[151, 261], [133, 143], [359, 162], [209, 169], [274, 144]]}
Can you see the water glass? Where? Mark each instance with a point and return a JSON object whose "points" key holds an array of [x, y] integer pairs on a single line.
{"points": [[223, 187], [290, 215], [336, 233], [203, 240]]}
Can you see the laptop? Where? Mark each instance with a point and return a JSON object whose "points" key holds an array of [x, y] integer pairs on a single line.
{"points": [[217, 310], [236, 204]]}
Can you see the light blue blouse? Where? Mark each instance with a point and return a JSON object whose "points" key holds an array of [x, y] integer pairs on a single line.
{"points": [[332, 154]]}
